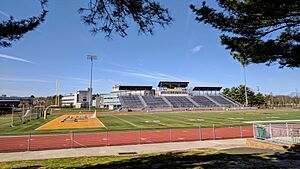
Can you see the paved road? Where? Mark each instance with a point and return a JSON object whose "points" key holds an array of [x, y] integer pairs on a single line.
{"points": [[115, 150]]}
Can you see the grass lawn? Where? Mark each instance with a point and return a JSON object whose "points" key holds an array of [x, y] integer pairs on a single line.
{"points": [[158, 120], [192, 119], [193, 159]]}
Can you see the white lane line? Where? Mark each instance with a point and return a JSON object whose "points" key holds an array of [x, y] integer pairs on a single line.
{"points": [[101, 122], [124, 120]]}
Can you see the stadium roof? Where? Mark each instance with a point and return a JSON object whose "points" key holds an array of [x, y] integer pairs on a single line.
{"points": [[11, 98], [172, 84], [207, 88], [135, 87]]}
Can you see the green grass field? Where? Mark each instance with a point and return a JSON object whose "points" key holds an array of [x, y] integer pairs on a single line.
{"points": [[158, 120]]}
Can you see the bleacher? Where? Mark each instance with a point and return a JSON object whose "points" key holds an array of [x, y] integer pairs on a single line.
{"points": [[131, 101], [222, 100], [203, 101], [180, 102], [155, 102], [171, 95]]}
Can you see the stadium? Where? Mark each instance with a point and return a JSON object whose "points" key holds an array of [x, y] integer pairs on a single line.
{"points": [[169, 96], [149, 84]]}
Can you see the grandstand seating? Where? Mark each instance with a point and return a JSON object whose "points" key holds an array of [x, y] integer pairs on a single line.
{"points": [[158, 102], [204, 101], [180, 102], [155, 102], [221, 100], [131, 101]]}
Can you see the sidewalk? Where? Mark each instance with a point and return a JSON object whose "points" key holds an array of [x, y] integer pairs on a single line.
{"points": [[115, 150]]}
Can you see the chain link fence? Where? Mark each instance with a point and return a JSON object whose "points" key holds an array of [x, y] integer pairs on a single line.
{"points": [[285, 133], [74, 139]]}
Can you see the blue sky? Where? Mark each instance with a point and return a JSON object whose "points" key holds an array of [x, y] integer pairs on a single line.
{"points": [[185, 50]]}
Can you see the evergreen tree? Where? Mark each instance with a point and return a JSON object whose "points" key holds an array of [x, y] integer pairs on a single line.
{"points": [[238, 94], [262, 31], [101, 15], [12, 30], [114, 16]]}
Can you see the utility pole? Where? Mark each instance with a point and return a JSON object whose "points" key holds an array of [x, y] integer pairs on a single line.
{"points": [[272, 100], [91, 58], [297, 99], [12, 116], [57, 93], [245, 80]]}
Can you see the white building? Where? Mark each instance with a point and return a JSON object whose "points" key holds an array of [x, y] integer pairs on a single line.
{"points": [[68, 100], [80, 99], [110, 101]]}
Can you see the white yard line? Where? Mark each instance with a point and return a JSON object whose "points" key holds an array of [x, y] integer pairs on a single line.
{"points": [[124, 120], [101, 122], [47, 123], [178, 121], [163, 124], [273, 121]]}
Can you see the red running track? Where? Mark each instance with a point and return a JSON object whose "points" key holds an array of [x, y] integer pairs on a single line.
{"points": [[77, 140]]}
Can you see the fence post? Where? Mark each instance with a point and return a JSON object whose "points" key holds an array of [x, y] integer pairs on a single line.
{"points": [[170, 135], [73, 139], [287, 129], [270, 126], [200, 133], [139, 139], [241, 131], [254, 131], [29, 141], [12, 117], [106, 137], [214, 133]]}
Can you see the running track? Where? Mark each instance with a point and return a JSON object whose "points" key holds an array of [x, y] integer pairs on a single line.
{"points": [[76, 140]]}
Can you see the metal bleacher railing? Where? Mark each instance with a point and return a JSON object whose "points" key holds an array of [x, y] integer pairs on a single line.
{"points": [[155, 102], [179, 101], [151, 101], [131, 101], [203, 101], [221, 100]]}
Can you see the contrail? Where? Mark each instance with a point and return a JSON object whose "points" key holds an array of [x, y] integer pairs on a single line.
{"points": [[14, 58], [4, 14]]}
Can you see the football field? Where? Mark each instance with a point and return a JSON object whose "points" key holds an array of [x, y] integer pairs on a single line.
{"points": [[155, 120], [118, 121]]}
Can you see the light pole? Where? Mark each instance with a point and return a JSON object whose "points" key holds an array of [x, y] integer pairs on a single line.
{"points": [[297, 99], [245, 81], [92, 58], [244, 61]]}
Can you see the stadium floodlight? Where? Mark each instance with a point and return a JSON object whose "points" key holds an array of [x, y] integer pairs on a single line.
{"points": [[91, 58]]}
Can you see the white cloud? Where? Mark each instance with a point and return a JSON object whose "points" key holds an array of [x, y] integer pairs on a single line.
{"points": [[22, 80], [14, 58], [4, 14], [196, 49], [152, 76]]}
